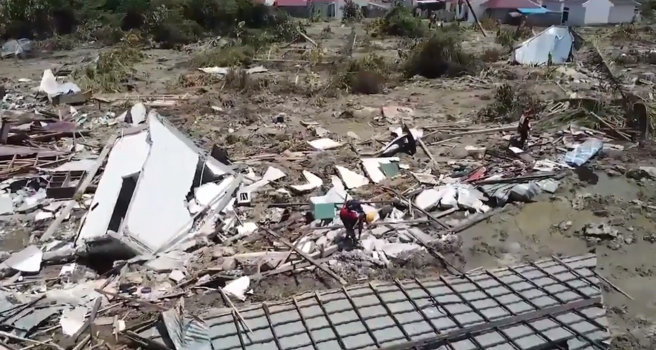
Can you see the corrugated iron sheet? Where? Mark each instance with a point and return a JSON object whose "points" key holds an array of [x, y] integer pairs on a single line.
{"points": [[386, 314]]}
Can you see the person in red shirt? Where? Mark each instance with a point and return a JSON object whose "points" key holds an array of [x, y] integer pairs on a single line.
{"points": [[351, 215]]}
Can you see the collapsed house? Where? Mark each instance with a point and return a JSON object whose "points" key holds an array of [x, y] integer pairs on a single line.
{"points": [[156, 185]]}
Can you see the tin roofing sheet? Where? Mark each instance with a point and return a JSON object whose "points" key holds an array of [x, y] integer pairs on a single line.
{"points": [[552, 304]]}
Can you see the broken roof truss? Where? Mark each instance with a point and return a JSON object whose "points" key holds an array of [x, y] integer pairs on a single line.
{"points": [[550, 304]]}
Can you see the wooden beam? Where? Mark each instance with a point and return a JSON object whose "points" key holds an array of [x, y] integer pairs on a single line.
{"points": [[306, 256]]}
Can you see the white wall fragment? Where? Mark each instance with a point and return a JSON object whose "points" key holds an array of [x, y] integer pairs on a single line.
{"points": [[137, 114], [72, 320], [126, 158], [271, 174], [238, 287], [158, 210], [313, 182], [372, 167], [27, 260], [351, 178], [324, 144]]}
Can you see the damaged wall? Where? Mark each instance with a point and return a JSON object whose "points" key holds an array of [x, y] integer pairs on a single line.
{"points": [[158, 210], [126, 158]]}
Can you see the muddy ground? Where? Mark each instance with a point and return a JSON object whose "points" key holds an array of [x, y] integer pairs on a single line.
{"points": [[242, 122]]}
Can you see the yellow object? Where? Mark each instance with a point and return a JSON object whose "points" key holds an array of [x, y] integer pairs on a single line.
{"points": [[371, 216]]}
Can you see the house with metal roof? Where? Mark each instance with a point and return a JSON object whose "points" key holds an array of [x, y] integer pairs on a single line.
{"points": [[593, 12], [503, 10]]}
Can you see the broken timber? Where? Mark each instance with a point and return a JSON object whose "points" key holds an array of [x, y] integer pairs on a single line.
{"points": [[307, 257]]}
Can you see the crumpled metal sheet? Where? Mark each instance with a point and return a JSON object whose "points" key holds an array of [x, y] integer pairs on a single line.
{"points": [[186, 333], [30, 318], [18, 47], [7, 302]]}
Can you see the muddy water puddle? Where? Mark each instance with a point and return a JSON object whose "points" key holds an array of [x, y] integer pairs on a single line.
{"points": [[618, 187], [529, 234]]}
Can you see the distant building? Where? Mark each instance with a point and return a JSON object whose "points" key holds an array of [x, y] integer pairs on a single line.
{"points": [[594, 12], [549, 12], [326, 8], [495, 9]]}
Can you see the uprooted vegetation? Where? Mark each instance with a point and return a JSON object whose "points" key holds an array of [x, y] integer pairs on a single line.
{"points": [[507, 37], [169, 22], [440, 55], [111, 72], [509, 104], [224, 57], [367, 75], [399, 21]]}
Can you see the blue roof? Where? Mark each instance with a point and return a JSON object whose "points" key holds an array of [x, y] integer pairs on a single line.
{"points": [[534, 11]]}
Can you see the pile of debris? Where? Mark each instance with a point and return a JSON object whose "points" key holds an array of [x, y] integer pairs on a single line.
{"points": [[161, 219]]}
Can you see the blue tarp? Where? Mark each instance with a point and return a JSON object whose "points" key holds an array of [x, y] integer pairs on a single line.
{"points": [[534, 11], [582, 154]]}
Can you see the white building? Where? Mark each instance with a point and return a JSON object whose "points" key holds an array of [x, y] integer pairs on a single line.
{"points": [[593, 12]]}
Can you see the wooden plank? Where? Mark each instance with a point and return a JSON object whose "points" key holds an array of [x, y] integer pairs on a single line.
{"points": [[80, 190], [307, 257]]}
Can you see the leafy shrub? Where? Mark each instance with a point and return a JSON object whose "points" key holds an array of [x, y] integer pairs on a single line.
{"points": [[351, 12], [441, 55], [399, 21], [170, 22]]}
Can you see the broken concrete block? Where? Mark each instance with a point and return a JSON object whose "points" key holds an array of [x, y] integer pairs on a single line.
{"points": [[229, 264], [393, 250], [332, 235], [322, 241], [168, 261], [404, 238], [320, 132], [369, 244], [475, 152], [308, 247], [372, 167], [421, 235], [380, 230], [383, 259], [177, 276], [134, 277], [329, 250], [221, 251]]}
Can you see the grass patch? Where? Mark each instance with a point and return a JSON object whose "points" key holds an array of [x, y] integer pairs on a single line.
{"points": [[230, 56]]}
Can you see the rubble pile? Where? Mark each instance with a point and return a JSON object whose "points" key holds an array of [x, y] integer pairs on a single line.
{"points": [[149, 217]]}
